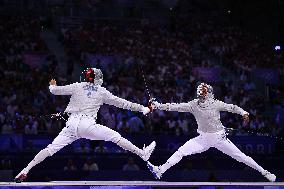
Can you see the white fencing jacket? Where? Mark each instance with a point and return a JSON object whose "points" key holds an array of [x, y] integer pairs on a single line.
{"points": [[208, 116], [86, 98]]}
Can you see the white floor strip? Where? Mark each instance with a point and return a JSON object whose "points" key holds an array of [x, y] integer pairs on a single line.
{"points": [[139, 183]]}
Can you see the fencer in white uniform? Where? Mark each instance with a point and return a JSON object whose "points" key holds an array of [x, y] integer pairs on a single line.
{"points": [[206, 111], [86, 99]]}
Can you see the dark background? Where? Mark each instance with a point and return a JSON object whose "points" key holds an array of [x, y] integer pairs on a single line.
{"points": [[230, 44]]}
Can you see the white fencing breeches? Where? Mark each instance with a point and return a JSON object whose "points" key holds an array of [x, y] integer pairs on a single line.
{"points": [[82, 127], [205, 141], [86, 127]]}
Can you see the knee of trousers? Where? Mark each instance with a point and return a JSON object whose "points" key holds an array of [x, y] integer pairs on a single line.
{"points": [[49, 152], [52, 149], [116, 138], [241, 157], [180, 153]]}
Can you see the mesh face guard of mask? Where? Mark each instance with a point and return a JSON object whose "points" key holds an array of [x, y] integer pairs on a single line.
{"points": [[93, 75], [204, 91]]}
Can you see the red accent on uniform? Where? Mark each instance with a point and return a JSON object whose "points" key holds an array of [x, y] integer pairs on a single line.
{"points": [[204, 90], [90, 75]]}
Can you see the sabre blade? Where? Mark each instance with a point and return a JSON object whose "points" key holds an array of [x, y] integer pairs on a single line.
{"points": [[145, 82]]}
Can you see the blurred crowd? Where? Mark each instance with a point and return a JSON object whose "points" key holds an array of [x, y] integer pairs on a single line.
{"points": [[243, 53], [161, 58], [166, 58], [23, 94]]}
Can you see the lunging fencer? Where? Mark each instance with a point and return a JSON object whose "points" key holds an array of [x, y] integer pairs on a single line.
{"points": [[86, 99], [206, 110]]}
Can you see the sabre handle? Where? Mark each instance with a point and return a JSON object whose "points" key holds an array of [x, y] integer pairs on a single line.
{"points": [[151, 104]]}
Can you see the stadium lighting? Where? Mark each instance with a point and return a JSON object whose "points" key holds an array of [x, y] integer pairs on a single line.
{"points": [[277, 47]]}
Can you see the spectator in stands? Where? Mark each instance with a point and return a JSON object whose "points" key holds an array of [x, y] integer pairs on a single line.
{"points": [[135, 125], [90, 165], [101, 148], [71, 166], [31, 128], [6, 128], [130, 166], [83, 148]]}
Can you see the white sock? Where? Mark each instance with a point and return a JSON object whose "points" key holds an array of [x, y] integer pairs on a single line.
{"points": [[174, 159], [127, 145], [37, 159]]}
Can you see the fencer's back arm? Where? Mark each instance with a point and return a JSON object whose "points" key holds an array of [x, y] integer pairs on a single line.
{"points": [[231, 108], [110, 99], [62, 90], [179, 107]]}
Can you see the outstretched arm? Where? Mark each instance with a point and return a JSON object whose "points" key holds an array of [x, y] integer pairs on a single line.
{"points": [[233, 109], [61, 90], [111, 99], [181, 107]]}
